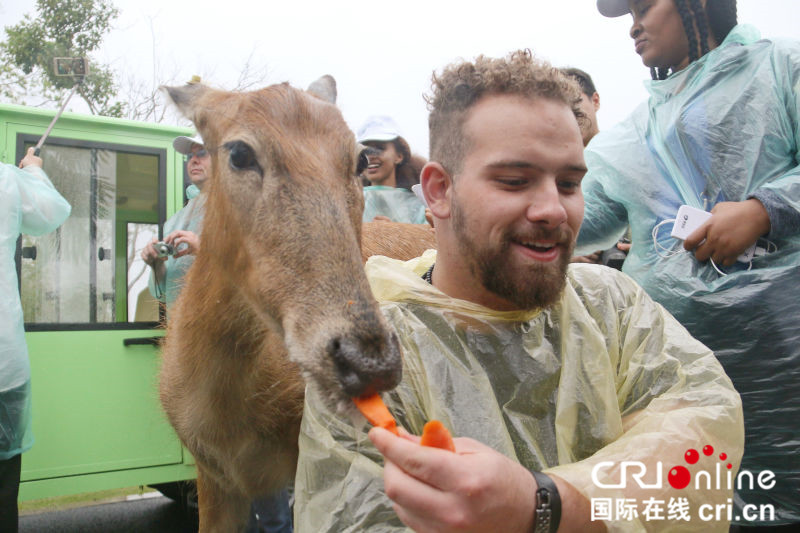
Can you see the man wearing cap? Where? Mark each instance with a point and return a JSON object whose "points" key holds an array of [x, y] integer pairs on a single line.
{"points": [[391, 171], [182, 230]]}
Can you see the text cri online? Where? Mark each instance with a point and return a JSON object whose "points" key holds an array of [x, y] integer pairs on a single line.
{"points": [[677, 508], [724, 511], [674, 510]]}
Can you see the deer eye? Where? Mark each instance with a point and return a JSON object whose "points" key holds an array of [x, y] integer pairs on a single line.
{"points": [[241, 156]]}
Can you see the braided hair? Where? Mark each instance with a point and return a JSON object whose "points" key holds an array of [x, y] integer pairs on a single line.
{"points": [[691, 23], [719, 17], [722, 17]]}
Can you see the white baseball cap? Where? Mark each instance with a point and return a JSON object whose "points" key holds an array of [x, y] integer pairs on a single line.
{"points": [[613, 8], [183, 145], [378, 128]]}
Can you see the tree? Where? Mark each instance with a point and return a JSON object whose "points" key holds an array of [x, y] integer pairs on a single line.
{"points": [[62, 28], [145, 99]]}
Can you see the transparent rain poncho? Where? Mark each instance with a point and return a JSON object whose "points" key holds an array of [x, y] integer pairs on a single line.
{"points": [[397, 203], [189, 218], [722, 129], [28, 204], [605, 374]]}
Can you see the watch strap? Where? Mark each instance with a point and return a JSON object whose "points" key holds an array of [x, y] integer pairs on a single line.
{"points": [[548, 504]]}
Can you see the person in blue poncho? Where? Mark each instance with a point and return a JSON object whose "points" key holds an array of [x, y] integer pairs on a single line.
{"points": [[28, 204], [720, 132], [181, 230], [391, 171]]}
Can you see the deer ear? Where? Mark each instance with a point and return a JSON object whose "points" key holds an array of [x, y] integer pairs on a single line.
{"points": [[324, 89], [185, 97]]}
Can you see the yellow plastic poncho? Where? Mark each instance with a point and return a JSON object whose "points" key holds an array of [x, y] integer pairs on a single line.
{"points": [[28, 204], [722, 129], [605, 374], [189, 218]]}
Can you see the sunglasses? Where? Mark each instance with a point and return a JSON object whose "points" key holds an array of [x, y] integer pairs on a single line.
{"points": [[200, 154]]}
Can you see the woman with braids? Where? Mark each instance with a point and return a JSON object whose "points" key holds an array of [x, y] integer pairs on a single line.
{"points": [[720, 132]]}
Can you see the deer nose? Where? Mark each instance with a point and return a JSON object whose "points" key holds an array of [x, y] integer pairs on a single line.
{"points": [[366, 363]]}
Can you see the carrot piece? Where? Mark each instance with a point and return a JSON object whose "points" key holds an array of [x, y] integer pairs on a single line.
{"points": [[376, 412], [434, 434]]}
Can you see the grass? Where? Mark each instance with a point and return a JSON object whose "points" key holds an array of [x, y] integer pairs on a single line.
{"points": [[79, 500]]}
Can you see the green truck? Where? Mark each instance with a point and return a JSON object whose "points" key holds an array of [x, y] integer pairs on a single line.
{"points": [[92, 327]]}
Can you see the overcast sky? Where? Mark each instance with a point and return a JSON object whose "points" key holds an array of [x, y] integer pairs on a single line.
{"points": [[382, 53]]}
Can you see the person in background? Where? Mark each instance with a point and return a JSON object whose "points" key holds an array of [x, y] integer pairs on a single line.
{"points": [[30, 204], [391, 171], [720, 133], [183, 229], [590, 102], [548, 374]]}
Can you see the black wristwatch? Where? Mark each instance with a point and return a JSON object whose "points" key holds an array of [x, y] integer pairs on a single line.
{"points": [[548, 505]]}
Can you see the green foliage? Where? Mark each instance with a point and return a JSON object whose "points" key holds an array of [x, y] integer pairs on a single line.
{"points": [[61, 28]]}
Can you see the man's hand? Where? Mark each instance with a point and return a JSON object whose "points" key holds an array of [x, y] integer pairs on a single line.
{"points": [[30, 159], [593, 258], [473, 490], [732, 229], [181, 236]]}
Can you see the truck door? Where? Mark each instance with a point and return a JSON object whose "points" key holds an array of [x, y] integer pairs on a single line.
{"points": [[97, 421]]}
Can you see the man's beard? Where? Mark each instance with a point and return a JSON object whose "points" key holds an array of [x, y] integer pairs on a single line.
{"points": [[529, 286]]}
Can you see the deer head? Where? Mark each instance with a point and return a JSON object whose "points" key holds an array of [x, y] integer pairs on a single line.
{"points": [[283, 227]]}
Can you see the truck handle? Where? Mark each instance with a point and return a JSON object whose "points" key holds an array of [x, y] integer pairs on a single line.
{"points": [[146, 341]]}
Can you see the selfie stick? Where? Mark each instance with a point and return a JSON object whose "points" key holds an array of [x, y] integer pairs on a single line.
{"points": [[80, 70]]}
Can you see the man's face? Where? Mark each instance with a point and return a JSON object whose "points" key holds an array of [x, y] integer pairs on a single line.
{"points": [[198, 165], [589, 106], [517, 205], [382, 163]]}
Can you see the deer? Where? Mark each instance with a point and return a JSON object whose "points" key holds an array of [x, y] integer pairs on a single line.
{"points": [[277, 295]]}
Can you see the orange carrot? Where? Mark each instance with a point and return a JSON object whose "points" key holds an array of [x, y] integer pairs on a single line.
{"points": [[434, 434], [376, 412]]}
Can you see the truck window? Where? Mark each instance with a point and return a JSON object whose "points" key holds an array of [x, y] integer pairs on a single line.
{"points": [[89, 271]]}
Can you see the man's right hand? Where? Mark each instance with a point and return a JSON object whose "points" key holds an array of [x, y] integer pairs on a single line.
{"points": [[472, 490], [591, 258]]}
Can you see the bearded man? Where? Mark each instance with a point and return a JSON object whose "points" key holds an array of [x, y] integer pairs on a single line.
{"points": [[550, 375]]}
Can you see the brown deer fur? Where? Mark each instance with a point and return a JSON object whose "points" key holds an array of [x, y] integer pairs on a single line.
{"points": [[277, 292]]}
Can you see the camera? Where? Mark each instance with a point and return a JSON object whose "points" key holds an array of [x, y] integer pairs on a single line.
{"points": [[71, 66], [163, 249], [614, 257]]}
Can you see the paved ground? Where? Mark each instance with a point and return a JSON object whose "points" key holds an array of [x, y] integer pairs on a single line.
{"points": [[147, 515]]}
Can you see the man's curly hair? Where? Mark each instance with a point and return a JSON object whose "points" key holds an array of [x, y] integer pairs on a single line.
{"points": [[460, 85]]}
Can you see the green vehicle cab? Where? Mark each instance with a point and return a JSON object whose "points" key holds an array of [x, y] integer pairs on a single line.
{"points": [[92, 327]]}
